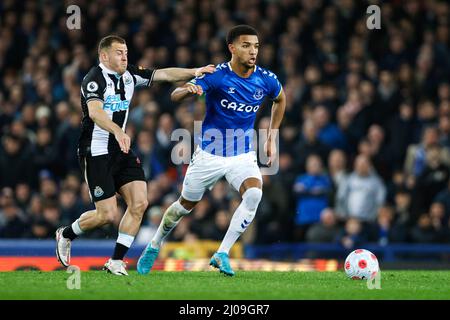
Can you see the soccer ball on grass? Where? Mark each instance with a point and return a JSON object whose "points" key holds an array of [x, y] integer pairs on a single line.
{"points": [[361, 264]]}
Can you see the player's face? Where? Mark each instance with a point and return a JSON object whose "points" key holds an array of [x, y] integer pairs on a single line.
{"points": [[117, 56], [245, 48]]}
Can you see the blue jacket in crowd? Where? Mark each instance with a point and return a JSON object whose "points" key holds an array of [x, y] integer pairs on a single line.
{"points": [[312, 197]]}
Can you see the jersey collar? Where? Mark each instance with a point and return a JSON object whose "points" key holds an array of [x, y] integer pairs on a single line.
{"points": [[229, 67], [109, 71]]}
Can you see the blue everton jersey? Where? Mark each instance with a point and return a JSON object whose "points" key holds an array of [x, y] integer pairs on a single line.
{"points": [[231, 106]]}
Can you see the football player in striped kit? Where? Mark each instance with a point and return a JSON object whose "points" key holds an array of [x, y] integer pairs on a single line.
{"points": [[108, 164]]}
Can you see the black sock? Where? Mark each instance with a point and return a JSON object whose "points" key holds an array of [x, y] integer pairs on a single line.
{"points": [[68, 233], [119, 251]]}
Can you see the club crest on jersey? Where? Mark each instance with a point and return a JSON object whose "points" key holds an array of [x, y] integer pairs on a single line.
{"points": [[98, 192], [127, 80], [259, 93], [92, 86]]}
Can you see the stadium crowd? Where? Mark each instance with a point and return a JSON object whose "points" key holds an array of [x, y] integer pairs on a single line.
{"points": [[364, 146]]}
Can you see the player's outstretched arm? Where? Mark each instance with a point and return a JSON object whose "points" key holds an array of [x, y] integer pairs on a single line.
{"points": [[99, 116], [181, 74], [187, 90], [278, 108]]}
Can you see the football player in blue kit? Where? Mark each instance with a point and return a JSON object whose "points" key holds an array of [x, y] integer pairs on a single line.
{"points": [[233, 95]]}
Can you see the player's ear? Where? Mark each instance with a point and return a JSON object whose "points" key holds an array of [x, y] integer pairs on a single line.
{"points": [[103, 56], [231, 47]]}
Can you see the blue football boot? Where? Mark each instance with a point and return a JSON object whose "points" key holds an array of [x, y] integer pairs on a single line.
{"points": [[147, 259], [220, 260]]}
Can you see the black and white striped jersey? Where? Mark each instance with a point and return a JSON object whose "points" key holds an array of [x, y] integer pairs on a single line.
{"points": [[115, 92]]}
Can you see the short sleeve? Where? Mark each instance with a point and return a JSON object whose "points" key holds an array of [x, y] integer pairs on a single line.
{"points": [[274, 86], [206, 81], [141, 76], [93, 85]]}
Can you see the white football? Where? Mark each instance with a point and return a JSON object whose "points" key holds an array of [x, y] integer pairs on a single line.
{"points": [[361, 264]]}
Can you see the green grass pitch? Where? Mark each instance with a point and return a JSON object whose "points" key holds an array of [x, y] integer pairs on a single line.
{"points": [[246, 285]]}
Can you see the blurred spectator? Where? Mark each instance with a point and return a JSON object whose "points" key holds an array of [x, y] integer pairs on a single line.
{"points": [[444, 197], [402, 208], [397, 183], [424, 231], [389, 97], [163, 138], [149, 226], [313, 190], [71, 207], [201, 216], [47, 185], [14, 224], [401, 133], [379, 151], [273, 217], [146, 152], [14, 162], [44, 154], [51, 215], [337, 167], [328, 133], [72, 181], [154, 194], [182, 231], [23, 195], [220, 226], [363, 193], [386, 230], [433, 179], [415, 161], [354, 117], [309, 145], [325, 231], [219, 193], [66, 141], [352, 235], [444, 131], [34, 210], [439, 222]]}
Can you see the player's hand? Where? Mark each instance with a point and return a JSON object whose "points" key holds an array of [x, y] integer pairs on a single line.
{"points": [[210, 68], [124, 141], [194, 89], [270, 149]]}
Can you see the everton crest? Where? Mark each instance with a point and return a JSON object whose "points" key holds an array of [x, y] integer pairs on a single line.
{"points": [[259, 93]]}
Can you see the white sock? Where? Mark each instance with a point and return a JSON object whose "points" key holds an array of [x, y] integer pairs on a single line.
{"points": [[171, 218], [242, 218], [125, 239], [76, 228]]}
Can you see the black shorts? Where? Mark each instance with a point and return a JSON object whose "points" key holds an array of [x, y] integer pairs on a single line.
{"points": [[105, 174]]}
